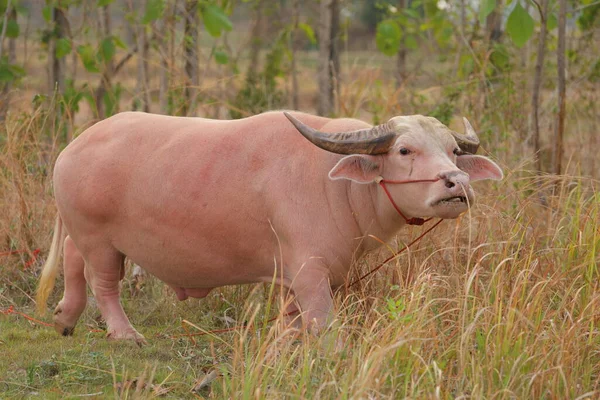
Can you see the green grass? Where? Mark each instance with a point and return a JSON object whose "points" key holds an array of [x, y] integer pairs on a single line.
{"points": [[35, 362], [497, 305], [36, 359]]}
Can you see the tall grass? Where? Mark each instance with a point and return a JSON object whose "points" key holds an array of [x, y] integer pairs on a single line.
{"points": [[501, 303], [494, 308]]}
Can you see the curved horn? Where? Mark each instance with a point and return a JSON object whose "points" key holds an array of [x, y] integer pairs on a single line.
{"points": [[469, 142], [375, 140]]}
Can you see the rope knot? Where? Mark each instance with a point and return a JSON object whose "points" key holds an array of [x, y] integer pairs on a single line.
{"points": [[9, 310]]}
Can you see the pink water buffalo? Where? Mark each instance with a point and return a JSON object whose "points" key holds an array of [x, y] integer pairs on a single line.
{"points": [[202, 203]]}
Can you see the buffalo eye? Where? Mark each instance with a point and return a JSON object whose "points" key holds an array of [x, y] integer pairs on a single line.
{"points": [[404, 151]]}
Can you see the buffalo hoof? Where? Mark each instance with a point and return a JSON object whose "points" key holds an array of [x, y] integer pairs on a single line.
{"points": [[64, 330], [62, 326], [128, 335]]}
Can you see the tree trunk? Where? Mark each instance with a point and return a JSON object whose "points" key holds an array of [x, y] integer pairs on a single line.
{"points": [[172, 51], [56, 66], [143, 95], [10, 15], [493, 24], [335, 51], [107, 72], [461, 37], [255, 40], [526, 50], [401, 58], [191, 43], [328, 56], [294, 68], [537, 82], [165, 46], [463, 18], [560, 52]]}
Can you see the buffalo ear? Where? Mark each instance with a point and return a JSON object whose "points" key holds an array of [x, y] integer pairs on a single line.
{"points": [[357, 168], [479, 167]]}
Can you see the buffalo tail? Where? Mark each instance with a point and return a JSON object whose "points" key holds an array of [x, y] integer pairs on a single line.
{"points": [[50, 268]]}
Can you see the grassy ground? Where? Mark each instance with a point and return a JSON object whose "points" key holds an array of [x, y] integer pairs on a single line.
{"points": [[502, 303]]}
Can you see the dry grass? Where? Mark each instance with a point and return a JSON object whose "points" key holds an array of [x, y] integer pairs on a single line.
{"points": [[502, 303]]}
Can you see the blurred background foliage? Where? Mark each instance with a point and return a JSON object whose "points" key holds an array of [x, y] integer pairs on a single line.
{"points": [[496, 61]]}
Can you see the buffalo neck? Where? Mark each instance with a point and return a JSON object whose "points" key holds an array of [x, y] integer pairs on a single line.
{"points": [[374, 214]]}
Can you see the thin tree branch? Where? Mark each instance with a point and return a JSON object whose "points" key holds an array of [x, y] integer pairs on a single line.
{"points": [[561, 51], [586, 6], [134, 50], [3, 34], [125, 58], [542, 13], [537, 81]]}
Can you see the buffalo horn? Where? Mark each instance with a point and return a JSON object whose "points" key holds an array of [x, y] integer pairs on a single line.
{"points": [[375, 140], [469, 142]]}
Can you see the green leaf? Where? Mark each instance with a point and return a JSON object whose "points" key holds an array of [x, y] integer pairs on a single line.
{"points": [[38, 99], [103, 3], [107, 49], [588, 14], [10, 72], [63, 47], [388, 37], [12, 29], [5, 75], [466, 65], [111, 99], [411, 42], [485, 9], [414, 14], [481, 340], [119, 43], [431, 9], [519, 25], [22, 8], [221, 57], [551, 22], [500, 57], [215, 20], [88, 57], [47, 13], [425, 26], [309, 32], [154, 10]]}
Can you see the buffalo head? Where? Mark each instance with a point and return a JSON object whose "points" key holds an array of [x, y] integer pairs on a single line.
{"points": [[410, 148]]}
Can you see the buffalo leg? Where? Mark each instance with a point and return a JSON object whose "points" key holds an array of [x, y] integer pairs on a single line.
{"points": [[105, 269], [313, 293], [74, 300], [292, 317]]}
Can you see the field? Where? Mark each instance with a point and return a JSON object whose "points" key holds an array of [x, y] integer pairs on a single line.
{"points": [[502, 303]]}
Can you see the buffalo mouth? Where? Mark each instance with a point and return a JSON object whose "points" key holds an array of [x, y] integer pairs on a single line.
{"points": [[453, 200]]}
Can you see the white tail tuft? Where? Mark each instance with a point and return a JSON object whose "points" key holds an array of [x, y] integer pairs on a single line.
{"points": [[50, 268]]}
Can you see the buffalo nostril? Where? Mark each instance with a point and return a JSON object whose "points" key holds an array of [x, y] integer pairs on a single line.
{"points": [[449, 185]]}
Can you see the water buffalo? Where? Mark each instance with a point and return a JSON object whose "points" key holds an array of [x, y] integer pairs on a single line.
{"points": [[202, 203]]}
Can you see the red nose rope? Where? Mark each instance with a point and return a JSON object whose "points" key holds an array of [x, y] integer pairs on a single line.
{"points": [[409, 221]]}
